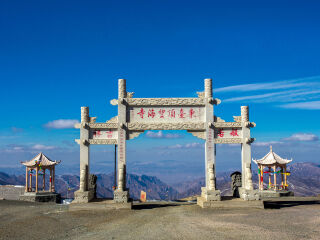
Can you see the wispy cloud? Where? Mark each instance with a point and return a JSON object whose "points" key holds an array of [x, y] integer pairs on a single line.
{"points": [[311, 105], [259, 96], [300, 93], [160, 134], [293, 139], [42, 147], [61, 124], [264, 144], [294, 83], [304, 137], [27, 148], [187, 145], [16, 130]]}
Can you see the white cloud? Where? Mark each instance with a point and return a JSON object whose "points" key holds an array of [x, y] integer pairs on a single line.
{"points": [[259, 96], [311, 105], [16, 130], [304, 137], [300, 93], [263, 144], [160, 134], [42, 147], [61, 123], [301, 82], [186, 146]]}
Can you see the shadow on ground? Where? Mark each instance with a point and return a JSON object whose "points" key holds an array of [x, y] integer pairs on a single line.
{"points": [[285, 204]]}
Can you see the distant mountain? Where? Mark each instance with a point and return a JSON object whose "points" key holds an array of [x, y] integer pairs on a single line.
{"points": [[304, 181], [155, 188]]}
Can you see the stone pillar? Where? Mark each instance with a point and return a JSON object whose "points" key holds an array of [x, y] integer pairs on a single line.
{"points": [[121, 194], [84, 194], [246, 191], [209, 192]]}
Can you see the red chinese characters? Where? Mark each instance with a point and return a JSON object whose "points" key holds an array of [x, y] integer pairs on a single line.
{"points": [[151, 113], [191, 113], [234, 132], [96, 133], [181, 114], [220, 132], [172, 113], [109, 134], [141, 113], [161, 112]]}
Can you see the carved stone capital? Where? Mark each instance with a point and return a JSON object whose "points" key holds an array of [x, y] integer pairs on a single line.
{"points": [[249, 140], [114, 102], [216, 101], [84, 142], [198, 134], [134, 134], [200, 94]]}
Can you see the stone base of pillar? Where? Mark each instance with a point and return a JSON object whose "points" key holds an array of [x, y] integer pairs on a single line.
{"points": [[249, 195], [121, 196], [210, 195], [83, 197]]}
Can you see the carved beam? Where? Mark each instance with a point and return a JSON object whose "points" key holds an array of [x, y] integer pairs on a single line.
{"points": [[227, 124], [165, 101], [103, 141], [166, 126], [228, 140], [103, 125]]}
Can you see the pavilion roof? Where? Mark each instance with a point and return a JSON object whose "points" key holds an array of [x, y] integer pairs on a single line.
{"points": [[271, 158], [40, 158]]}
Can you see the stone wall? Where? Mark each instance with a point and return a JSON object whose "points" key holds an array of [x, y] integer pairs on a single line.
{"points": [[11, 192]]}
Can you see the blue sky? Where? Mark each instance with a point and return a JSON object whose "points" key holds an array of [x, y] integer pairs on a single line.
{"points": [[56, 56]]}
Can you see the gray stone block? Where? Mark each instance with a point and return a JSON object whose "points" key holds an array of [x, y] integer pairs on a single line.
{"points": [[83, 197], [121, 196], [249, 195], [11, 192], [210, 195], [41, 197]]}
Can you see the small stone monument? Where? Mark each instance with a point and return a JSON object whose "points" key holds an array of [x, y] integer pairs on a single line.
{"points": [[236, 183], [93, 184]]}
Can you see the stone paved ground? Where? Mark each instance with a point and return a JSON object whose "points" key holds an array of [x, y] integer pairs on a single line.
{"points": [[20, 220]]}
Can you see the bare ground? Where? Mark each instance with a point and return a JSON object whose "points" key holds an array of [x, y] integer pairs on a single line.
{"points": [[21, 220]]}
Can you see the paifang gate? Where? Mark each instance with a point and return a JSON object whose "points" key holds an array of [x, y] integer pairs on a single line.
{"points": [[196, 115]]}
